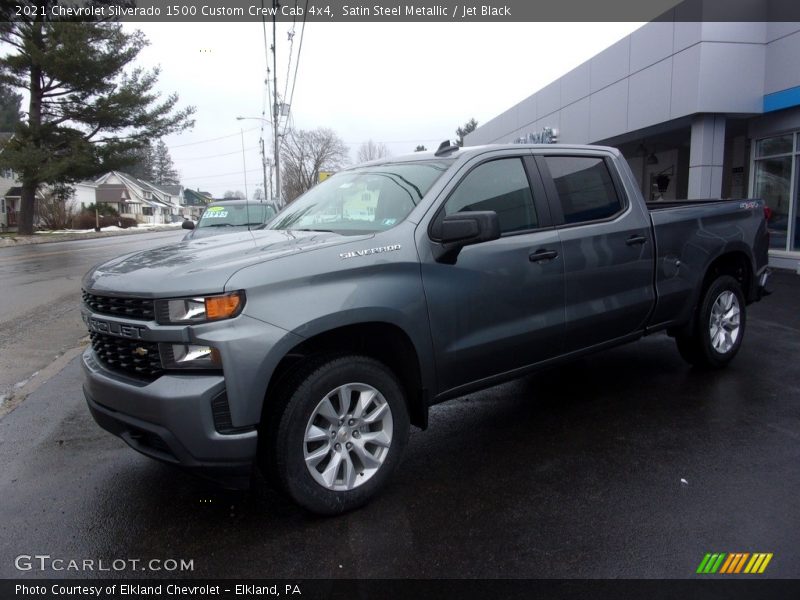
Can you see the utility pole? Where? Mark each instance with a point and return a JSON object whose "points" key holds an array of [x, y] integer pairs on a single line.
{"points": [[244, 164], [267, 191], [275, 109]]}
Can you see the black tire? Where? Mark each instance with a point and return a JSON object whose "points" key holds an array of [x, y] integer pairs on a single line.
{"points": [[284, 444], [697, 348]]}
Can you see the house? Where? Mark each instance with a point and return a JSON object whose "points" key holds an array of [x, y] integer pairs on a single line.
{"points": [[195, 202], [8, 212], [141, 200], [129, 196], [11, 192]]}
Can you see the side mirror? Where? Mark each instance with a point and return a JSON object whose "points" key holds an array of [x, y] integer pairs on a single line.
{"points": [[187, 224], [463, 229]]}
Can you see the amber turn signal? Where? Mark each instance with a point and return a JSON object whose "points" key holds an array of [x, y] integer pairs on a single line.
{"points": [[223, 307]]}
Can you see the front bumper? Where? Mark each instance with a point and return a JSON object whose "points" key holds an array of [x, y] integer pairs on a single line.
{"points": [[170, 419]]}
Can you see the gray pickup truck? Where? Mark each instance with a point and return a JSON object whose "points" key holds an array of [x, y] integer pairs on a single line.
{"points": [[311, 346]]}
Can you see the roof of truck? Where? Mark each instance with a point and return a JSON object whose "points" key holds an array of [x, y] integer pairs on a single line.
{"points": [[470, 151]]}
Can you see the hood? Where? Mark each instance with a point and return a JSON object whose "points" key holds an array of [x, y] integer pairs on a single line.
{"points": [[202, 265]]}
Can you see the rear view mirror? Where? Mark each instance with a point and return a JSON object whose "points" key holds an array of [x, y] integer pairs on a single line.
{"points": [[187, 224], [464, 229]]}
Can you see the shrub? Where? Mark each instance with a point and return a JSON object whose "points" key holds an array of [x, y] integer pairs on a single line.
{"points": [[86, 220], [103, 209]]}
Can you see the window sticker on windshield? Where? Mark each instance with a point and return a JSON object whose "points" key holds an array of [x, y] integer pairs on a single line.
{"points": [[388, 222], [217, 214], [215, 208]]}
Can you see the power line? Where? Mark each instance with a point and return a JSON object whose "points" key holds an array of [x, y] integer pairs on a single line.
{"points": [[221, 175], [222, 137], [214, 155], [290, 34], [296, 67]]}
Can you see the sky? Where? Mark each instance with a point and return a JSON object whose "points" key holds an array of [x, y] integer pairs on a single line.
{"points": [[400, 84]]}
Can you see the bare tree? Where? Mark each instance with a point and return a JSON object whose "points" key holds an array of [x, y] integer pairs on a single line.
{"points": [[53, 210], [306, 153], [370, 150], [231, 195]]}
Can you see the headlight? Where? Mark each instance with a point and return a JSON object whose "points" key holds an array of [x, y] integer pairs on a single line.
{"points": [[201, 309], [190, 356]]}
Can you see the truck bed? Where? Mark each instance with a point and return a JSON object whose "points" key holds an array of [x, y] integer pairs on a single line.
{"points": [[663, 204]]}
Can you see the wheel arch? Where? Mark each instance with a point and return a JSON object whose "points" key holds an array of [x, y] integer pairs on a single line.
{"points": [[384, 341], [735, 261]]}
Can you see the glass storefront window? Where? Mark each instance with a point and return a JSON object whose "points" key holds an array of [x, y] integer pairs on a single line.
{"points": [[781, 144], [773, 177], [796, 212]]}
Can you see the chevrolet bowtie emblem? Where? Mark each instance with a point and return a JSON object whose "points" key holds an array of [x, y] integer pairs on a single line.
{"points": [[140, 351]]}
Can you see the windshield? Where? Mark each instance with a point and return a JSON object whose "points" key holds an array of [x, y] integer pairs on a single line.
{"points": [[362, 200], [236, 215]]}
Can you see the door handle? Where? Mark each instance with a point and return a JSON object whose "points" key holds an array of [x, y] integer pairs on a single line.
{"points": [[635, 239], [542, 255]]}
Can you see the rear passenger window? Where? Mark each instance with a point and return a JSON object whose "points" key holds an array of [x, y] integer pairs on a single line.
{"points": [[499, 185], [585, 188]]}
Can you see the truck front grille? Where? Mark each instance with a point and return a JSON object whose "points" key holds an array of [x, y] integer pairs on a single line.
{"points": [[134, 357], [131, 308]]}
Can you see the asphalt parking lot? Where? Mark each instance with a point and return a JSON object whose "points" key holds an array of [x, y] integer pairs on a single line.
{"points": [[625, 464]]}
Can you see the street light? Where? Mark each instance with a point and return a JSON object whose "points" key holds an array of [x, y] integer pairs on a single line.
{"points": [[264, 157]]}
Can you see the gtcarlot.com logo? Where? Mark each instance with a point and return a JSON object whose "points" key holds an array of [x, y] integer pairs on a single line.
{"points": [[735, 563], [46, 562]]}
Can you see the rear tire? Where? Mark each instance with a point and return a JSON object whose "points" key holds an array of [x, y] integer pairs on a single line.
{"points": [[337, 433], [719, 326]]}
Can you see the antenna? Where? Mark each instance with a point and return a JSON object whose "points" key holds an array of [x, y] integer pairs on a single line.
{"points": [[446, 147]]}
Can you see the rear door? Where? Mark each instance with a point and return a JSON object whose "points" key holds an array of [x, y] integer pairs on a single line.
{"points": [[501, 305], [607, 248]]}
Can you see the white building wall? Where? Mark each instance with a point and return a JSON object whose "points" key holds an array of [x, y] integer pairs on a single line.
{"points": [[662, 71], [85, 194]]}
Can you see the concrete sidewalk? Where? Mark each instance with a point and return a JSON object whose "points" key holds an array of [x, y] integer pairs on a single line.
{"points": [[44, 237]]}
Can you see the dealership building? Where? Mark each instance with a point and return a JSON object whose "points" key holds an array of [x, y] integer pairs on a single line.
{"points": [[699, 109]]}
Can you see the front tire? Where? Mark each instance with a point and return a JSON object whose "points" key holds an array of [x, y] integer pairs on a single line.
{"points": [[719, 327], [338, 431]]}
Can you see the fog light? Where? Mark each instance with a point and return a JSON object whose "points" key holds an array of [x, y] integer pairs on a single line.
{"points": [[190, 356]]}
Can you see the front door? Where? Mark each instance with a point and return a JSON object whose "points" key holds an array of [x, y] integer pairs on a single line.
{"points": [[501, 305]]}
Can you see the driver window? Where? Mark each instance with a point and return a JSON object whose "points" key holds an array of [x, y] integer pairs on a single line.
{"points": [[499, 185]]}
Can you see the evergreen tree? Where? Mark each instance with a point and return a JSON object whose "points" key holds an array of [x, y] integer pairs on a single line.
{"points": [[143, 165], [468, 128], [10, 102], [89, 110], [163, 169]]}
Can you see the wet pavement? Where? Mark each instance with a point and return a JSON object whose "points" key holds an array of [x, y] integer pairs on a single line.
{"points": [[624, 464], [40, 296]]}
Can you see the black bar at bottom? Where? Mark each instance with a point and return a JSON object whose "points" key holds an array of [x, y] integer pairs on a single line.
{"points": [[712, 587]]}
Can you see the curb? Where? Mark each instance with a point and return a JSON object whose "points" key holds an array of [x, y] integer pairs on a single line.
{"points": [[39, 378]]}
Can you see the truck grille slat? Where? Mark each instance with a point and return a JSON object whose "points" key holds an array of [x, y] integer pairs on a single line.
{"points": [[133, 357], [130, 308]]}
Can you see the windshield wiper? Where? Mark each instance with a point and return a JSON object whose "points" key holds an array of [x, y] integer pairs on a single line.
{"points": [[319, 230], [218, 225]]}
